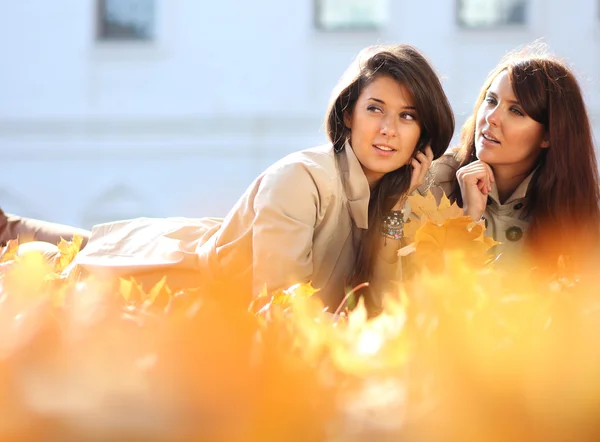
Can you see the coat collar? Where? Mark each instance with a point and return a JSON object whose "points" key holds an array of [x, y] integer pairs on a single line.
{"points": [[519, 193], [356, 186]]}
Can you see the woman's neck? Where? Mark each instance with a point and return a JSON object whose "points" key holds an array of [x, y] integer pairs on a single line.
{"points": [[372, 177], [507, 180]]}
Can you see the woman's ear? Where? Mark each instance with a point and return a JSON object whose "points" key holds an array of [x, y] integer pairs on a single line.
{"points": [[348, 119], [545, 142]]}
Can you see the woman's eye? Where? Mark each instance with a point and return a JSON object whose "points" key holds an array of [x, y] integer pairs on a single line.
{"points": [[407, 116], [490, 100], [373, 109], [517, 111]]}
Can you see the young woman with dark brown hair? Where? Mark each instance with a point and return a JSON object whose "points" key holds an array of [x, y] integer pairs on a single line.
{"points": [[329, 215], [526, 161]]}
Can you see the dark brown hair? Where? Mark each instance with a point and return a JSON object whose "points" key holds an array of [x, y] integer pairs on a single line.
{"points": [[408, 67], [563, 196]]}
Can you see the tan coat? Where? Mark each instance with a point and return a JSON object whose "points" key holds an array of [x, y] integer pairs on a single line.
{"points": [[28, 229], [507, 222], [297, 222]]}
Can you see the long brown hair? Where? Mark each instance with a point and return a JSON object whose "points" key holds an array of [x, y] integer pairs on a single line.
{"points": [[563, 196], [408, 67]]}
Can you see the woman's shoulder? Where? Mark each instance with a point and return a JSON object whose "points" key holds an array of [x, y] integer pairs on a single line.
{"points": [[318, 157], [317, 163], [445, 167], [299, 172]]}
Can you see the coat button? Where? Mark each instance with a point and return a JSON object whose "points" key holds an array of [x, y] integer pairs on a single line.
{"points": [[514, 233], [518, 206]]}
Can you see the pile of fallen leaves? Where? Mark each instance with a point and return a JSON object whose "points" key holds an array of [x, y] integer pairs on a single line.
{"points": [[467, 350]]}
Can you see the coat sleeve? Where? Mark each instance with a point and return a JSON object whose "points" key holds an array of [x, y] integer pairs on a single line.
{"points": [[287, 208], [444, 176], [28, 229]]}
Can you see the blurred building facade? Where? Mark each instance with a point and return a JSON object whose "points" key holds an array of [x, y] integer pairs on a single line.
{"points": [[111, 109]]}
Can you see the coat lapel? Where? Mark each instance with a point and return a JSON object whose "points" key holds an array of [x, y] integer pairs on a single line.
{"points": [[356, 187]]}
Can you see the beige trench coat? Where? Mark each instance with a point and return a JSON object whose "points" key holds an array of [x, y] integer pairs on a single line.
{"points": [[29, 229], [297, 222], [506, 222]]}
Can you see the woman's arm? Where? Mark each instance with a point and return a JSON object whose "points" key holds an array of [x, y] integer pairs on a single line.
{"points": [[28, 229], [387, 267], [286, 211]]}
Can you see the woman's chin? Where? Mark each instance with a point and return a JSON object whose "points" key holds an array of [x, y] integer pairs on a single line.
{"points": [[485, 155]]}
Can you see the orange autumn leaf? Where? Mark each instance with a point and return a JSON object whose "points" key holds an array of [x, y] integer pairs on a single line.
{"points": [[423, 204], [9, 252], [26, 280], [159, 296], [296, 291], [363, 347], [131, 291], [159, 289], [425, 208], [451, 234], [67, 250], [433, 240]]}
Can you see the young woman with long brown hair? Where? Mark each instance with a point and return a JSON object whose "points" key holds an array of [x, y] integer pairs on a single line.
{"points": [[526, 162], [329, 215]]}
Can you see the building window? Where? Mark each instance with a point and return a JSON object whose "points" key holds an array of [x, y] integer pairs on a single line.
{"points": [[491, 13], [126, 20], [331, 15]]}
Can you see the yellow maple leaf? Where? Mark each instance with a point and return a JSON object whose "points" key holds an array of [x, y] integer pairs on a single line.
{"points": [[131, 291], [67, 250], [447, 210], [410, 228], [160, 288], [420, 204], [296, 291], [365, 347], [425, 208], [432, 241], [9, 252], [26, 280]]}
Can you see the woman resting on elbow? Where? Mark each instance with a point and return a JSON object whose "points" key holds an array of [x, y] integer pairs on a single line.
{"points": [[329, 214], [526, 162]]}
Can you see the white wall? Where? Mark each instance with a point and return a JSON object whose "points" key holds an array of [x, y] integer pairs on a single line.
{"points": [[95, 131]]}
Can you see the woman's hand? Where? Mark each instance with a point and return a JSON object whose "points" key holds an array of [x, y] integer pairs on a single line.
{"points": [[421, 162], [475, 181]]}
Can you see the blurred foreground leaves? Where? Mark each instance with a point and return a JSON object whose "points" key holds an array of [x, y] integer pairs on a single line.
{"points": [[466, 350]]}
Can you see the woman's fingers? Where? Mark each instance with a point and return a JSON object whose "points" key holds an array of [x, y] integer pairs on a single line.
{"points": [[482, 187], [490, 172], [424, 159], [428, 153], [421, 164], [477, 175], [417, 175]]}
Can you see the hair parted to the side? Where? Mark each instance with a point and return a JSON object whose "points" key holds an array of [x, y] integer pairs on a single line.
{"points": [[564, 195], [406, 65]]}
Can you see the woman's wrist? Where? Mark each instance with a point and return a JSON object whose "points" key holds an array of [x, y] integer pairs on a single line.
{"points": [[392, 232], [392, 225], [388, 249], [474, 214], [400, 204]]}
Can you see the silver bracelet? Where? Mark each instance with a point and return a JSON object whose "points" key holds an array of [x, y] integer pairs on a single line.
{"points": [[393, 224]]}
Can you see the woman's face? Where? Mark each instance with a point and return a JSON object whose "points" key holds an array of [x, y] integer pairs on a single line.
{"points": [[504, 134], [384, 127]]}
